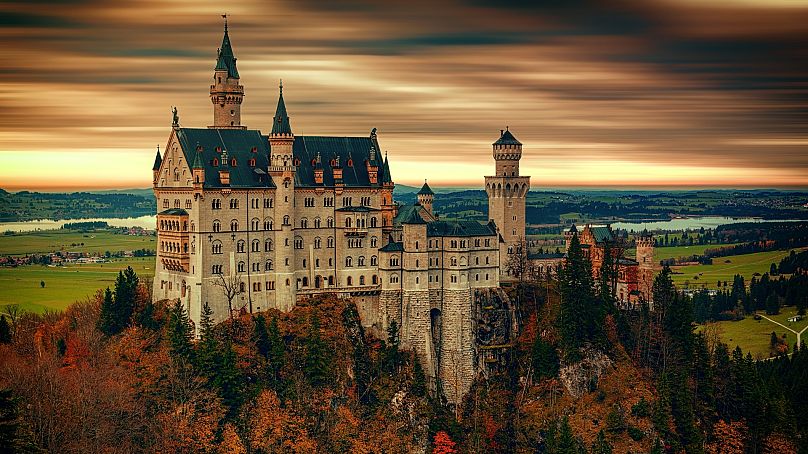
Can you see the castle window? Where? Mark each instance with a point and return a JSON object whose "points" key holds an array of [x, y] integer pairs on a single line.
{"points": [[215, 162], [486, 260], [373, 241], [241, 267], [267, 224], [287, 282], [330, 262], [329, 242], [256, 286], [298, 242], [486, 276], [233, 162], [348, 261], [317, 263], [166, 203], [268, 265], [350, 281], [373, 222], [255, 224], [267, 245], [234, 204], [251, 162], [454, 261], [304, 264], [217, 226], [305, 281], [304, 223], [241, 287], [476, 277], [394, 278], [348, 223], [256, 267], [416, 245], [453, 279], [362, 280], [234, 225], [270, 285], [216, 247], [329, 222], [240, 246], [417, 280], [267, 203], [188, 204], [316, 223], [374, 279], [394, 260], [256, 246], [318, 243], [216, 204], [286, 220], [217, 269], [286, 262], [360, 261], [374, 261], [476, 260]]}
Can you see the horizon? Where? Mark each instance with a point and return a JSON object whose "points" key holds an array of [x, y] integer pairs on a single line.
{"points": [[636, 95]]}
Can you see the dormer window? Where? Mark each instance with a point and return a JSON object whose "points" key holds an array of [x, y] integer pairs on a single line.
{"points": [[296, 162], [233, 162], [199, 148], [332, 163], [350, 163], [218, 149], [313, 162], [215, 162], [252, 162], [254, 149]]}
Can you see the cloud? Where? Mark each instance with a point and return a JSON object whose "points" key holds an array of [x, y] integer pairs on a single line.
{"points": [[683, 92]]}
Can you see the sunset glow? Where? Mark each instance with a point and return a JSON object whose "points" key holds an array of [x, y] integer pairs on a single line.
{"points": [[642, 94]]}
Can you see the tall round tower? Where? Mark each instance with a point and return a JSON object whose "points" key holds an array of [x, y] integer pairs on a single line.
{"points": [[507, 191], [646, 268], [226, 93]]}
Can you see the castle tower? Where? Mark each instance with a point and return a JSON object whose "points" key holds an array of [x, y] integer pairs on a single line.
{"points": [[507, 191], [425, 197], [226, 93], [387, 204], [282, 169], [158, 161], [645, 258]]}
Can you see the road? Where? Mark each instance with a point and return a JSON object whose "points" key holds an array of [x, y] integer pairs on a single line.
{"points": [[799, 334]]}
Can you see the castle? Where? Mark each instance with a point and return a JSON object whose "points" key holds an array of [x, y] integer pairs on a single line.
{"points": [[250, 222]]}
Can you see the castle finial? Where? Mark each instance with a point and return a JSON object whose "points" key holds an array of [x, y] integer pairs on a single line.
{"points": [[175, 122], [280, 86], [224, 16]]}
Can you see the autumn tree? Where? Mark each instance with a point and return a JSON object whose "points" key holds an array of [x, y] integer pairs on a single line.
{"points": [[728, 438], [517, 263], [601, 445], [443, 444], [231, 286]]}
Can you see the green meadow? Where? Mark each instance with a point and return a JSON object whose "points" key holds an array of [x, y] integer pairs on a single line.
{"points": [[754, 336], [69, 283], [724, 268]]}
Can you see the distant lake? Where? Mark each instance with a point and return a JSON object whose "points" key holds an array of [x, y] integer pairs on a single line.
{"points": [[692, 223], [146, 222]]}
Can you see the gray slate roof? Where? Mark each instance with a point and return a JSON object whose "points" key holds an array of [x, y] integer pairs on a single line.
{"points": [[240, 143], [459, 228], [507, 139]]}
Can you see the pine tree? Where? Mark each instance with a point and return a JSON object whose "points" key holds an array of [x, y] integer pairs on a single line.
{"points": [[261, 336], [5, 330], [601, 445], [277, 351], [418, 378], [316, 362], [180, 333], [207, 353], [772, 304], [581, 312], [392, 356], [107, 320], [565, 442], [544, 359]]}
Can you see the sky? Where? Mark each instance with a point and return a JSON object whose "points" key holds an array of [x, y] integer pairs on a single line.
{"points": [[691, 93]]}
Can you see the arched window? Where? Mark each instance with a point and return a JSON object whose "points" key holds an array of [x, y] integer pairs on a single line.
{"points": [[241, 267], [348, 261], [374, 280], [318, 243], [350, 281], [304, 223], [267, 224], [348, 223], [373, 241], [316, 223], [373, 222], [240, 246], [234, 225], [329, 222], [286, 220], [241, 287], [255, 224], [298, 242], [454, 261], [330, 242], [360, 261], [256, 246], [267, 245], [217, 226], [268, 265], [362, 280], [374, 261], [216, 247]]}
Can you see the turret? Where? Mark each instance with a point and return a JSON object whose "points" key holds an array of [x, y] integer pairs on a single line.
{"points": [[224, 170], [198, 171], [645, 250], [372, 163], [318, 170], [158, 161], [507, 153], [226, 93], [425, 197]]}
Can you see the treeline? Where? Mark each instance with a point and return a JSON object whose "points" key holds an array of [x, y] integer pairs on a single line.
{"points": [[767, 293], [85, 225], [793, 263], [784, 234], [27, 206]]}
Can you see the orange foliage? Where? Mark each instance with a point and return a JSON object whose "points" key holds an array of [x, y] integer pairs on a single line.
{"points": [[728, 438], [442, 444], [777, 443], [231, 442], [273, 428]]}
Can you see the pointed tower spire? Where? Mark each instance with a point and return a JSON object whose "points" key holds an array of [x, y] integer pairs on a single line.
{"points": [[225, 93], [280, 122], [158, 160]]}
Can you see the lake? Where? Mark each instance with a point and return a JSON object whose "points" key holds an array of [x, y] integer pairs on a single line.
{"points": [[692, 223], [146, 222]]}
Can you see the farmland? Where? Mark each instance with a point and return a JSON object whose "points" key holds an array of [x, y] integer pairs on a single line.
{"points": [[95, 242], [724, 268]]}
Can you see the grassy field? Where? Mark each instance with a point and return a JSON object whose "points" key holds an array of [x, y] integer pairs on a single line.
{"points": [[66, 240], [724, 268], [63, 285], [753, 336]]}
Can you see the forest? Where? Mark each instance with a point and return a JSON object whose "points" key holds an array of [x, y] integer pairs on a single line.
{"points": [[122, 373]]}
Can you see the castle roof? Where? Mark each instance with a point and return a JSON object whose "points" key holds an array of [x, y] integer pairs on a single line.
{"points": [[602, 234], [174, 212], [385, 176], [240, 143], [459, 228], [410, 217], [626, 261], [280, 122], [506, 138], [226, 61], [425, 190], [158, 160], [392, 246]]}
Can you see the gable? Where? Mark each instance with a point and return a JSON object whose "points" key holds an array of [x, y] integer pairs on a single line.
{"points": [[175, 171]]}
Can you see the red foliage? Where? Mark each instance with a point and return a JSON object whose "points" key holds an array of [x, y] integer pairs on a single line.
{"points": [[442, 444]]}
